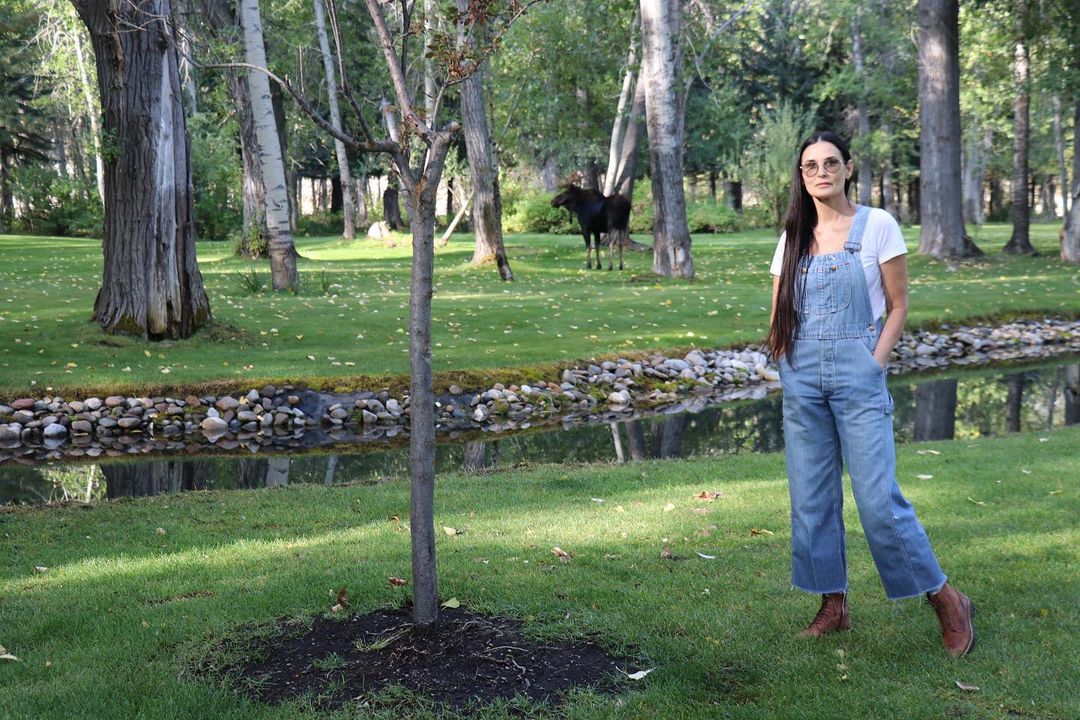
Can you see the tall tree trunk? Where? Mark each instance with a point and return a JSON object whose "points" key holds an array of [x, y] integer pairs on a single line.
{"points": [[862, 110], [1020, 241], [348, 202], [1059, 151], [487, 198], [671, 436], [92, 116], [940, 200], [631, 144], [661, 30], [184, 19], [151, 284], [279, 243], [1070, 235], [619, 125], [254, 223], [935, 410]]}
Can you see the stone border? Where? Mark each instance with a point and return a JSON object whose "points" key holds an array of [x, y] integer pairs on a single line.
{"points": [[52, 428]]}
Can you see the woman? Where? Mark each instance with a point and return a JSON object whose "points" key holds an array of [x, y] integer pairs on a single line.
{"points": [[837, 268]]}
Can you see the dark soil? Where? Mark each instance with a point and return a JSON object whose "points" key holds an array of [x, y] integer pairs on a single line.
{"points": [[466, 660]]}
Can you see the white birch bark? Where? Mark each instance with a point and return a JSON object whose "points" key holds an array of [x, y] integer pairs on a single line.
{"points": [[91, 113], [347, 199], [661, 28], [279, 242]]}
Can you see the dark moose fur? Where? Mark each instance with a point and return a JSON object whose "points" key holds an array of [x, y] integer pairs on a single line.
{"points": [[597, 214]]}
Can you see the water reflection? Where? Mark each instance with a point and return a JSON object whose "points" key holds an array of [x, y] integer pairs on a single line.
{"points": [[960, 407]]}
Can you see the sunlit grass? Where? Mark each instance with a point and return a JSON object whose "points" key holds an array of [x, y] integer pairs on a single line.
{"points": [[113, 626], [555, 311]]}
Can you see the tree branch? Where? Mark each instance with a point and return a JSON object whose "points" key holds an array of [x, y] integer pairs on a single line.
{"points": [[397, 75]]}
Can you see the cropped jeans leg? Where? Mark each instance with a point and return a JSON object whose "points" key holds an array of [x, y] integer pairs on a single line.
{"points": [[898, 543], [812, 447]]}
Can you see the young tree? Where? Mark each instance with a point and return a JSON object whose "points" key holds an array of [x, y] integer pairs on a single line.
{"points": [[279, 243], [940, 200], [151, 284], [661, 26]]}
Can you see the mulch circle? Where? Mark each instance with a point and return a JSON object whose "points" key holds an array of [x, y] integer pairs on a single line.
{"points": [[465, 660]]}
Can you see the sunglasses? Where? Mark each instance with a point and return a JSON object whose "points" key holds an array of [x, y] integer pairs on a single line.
{"points": [[830, 166]]}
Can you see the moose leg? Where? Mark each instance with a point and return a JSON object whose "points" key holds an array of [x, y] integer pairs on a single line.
{"points": [[620, 241], [596, 240], [588, 251], [610, 252]]}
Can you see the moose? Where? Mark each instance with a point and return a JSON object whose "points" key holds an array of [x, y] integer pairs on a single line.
{"points": [[597, 213]]}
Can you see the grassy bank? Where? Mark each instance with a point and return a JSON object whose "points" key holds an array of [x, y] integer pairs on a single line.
{"points": [[347, 325], [123, 610]]}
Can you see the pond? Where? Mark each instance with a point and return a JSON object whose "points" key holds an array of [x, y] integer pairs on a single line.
{"points": [[964, 404]]}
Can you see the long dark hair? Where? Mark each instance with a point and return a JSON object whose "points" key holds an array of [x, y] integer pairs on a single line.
{"points": [[799, 223]]}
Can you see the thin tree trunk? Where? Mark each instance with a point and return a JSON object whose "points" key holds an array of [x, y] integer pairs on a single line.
{"points": [[184, 18], [1059, 150], [1070, 235], [91, 114], [618, 126], [661, 30], [279, 243], [889, 199], [348, 201], [151, 284], [1020, 241], [862, 110], [940, 195], [487, 198], [254, 222], [331, 470], [475, 457]]}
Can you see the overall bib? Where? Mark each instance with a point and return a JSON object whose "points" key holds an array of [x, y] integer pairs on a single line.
{"points": [[838, 411]]}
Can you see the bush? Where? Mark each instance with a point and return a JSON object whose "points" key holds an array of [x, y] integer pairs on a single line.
{"points": [[641, 211], [709, 217], [217, 177], [56, 205], [533, 213]]}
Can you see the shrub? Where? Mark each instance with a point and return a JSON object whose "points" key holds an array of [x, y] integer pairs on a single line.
{"points": [[709, 217], [56, 205], [641, 211], [533, 214]]}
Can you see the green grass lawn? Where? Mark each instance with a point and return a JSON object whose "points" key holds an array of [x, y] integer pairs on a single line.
{"points": [[553, 312], [123, 611]]}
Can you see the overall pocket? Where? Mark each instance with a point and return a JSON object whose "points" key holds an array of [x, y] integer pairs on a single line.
{"points": [[832, 286]]}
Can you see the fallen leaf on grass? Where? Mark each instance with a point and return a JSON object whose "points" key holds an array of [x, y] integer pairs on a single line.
{"points": [[703, 556], [452, 603], [560, 553], [637, 675], [1025, 471], [160, 531], [925, 477], [597, 500], [977, 502], [708, 495], [754, 532], [965, 686], [397, 582], [669, 507], [41, 568], [927, 452], [452, 531]]}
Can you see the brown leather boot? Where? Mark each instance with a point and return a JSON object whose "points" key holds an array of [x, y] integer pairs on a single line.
{"points": [[832, 617], [955, 611]]}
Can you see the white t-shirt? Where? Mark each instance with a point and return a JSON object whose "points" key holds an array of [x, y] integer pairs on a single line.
{"points": [[881, 242]]}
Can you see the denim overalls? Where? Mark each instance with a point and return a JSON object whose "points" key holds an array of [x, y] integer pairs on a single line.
{"points": [[837, 410]]}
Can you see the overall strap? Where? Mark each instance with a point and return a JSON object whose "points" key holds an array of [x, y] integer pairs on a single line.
{"points": [[858, 226]]}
